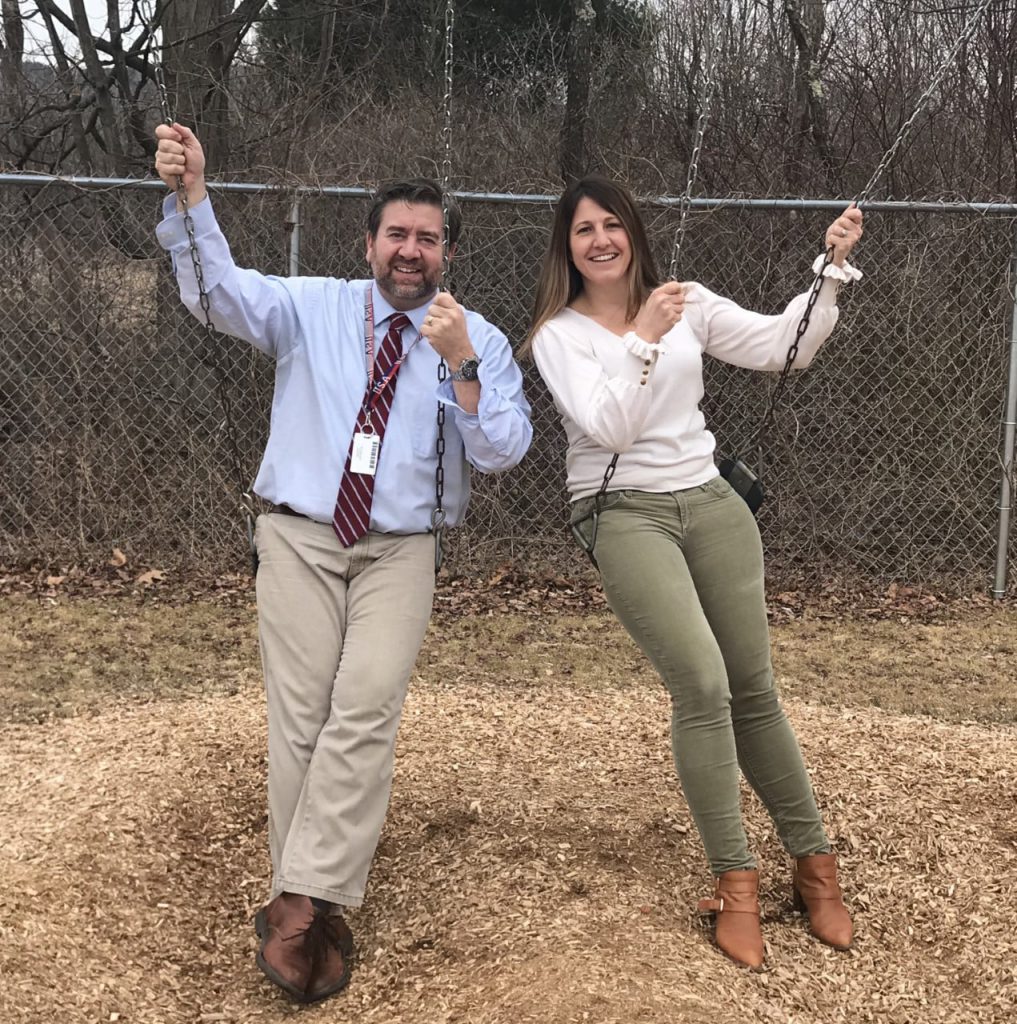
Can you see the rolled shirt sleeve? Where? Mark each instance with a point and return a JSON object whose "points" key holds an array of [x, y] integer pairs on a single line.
{"points": [[498, 435], [313, 327], [255, 307]]}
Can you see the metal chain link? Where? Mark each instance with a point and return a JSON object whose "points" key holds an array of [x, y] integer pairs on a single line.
{"points": [[705, 105], [446, 134], [792, 354], [881, 501], [684, 203], [211, 338], [934, 83], [884, 165], [438, 516], [901, 493]]}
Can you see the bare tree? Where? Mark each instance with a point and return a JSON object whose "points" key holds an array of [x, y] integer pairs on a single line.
{"points": [[200, 42], [12, 43], [807, 20], [809, 94], [1001, 96], [12, 54], [96, 104], [100, 80], [98, 88], [578, 70]]}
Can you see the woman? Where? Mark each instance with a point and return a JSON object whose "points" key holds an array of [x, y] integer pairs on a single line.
{"points": [[678, 550]]}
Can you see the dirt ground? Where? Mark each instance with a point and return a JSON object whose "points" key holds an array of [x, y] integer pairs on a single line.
{"points": [[538, 863]]}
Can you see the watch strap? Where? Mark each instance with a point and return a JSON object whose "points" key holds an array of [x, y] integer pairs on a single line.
{"points": [[467, 369]]}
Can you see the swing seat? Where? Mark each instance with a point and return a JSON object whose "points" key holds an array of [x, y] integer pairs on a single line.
{"points": [[743, 481]]}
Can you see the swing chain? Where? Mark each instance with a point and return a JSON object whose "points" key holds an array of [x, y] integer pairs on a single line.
{"points": [[934, 83], [588, 543], [446, 133], [792, 353], [884, 164], [706, 102], [438, 515], [211, 338]]}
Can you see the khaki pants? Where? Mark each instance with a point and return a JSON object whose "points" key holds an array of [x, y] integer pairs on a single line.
{"points": [[683, 571], [340, 630]]}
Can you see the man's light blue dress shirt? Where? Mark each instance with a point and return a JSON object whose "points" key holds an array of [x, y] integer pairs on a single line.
{"points": [[314, 329]]}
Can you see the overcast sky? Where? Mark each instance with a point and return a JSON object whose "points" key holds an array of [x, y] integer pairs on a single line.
{"points": [[35, 28]]}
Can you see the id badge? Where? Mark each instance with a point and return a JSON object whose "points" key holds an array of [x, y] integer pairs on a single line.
{"points": [[365, 454]]}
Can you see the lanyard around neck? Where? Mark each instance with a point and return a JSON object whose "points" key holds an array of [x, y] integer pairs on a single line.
{"points": [[376, 388]]}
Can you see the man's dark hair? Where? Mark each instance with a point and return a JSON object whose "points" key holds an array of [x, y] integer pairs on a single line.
{"points": [[414, 190]]}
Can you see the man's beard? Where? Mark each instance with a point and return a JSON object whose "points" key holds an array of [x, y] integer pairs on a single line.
{"points": [[405, 290]]}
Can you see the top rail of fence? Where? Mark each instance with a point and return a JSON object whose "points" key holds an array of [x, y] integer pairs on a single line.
{"points": [[359, 192]]}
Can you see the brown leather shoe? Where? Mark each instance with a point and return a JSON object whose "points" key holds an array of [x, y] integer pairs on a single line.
{"points": [[333, 943], [304, 951], [816, 892], [736, 909]]}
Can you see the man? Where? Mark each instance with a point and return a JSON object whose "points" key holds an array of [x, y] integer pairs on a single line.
{"points": [[346, 577]]}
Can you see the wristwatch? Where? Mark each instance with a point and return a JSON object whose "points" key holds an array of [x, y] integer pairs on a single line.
{"points": [[467, 369]]}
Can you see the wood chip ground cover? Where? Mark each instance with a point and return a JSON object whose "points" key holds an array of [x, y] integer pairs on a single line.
{"points": [[538, 864]]}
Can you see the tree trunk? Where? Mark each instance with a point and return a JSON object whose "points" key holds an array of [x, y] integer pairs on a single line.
{"points": [[574, 155], [12, 53], [1001, 99], [12, 44], [807, 26], [195, 77], [72, 90], [113, 160], [327, 44], [200, 40]]}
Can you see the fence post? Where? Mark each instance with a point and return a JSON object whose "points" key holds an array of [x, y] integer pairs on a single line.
{"points": [[293, 227], [1009, 429]]}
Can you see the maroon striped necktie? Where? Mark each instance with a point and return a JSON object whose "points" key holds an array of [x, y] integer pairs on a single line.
{"points": [[353, 506]]}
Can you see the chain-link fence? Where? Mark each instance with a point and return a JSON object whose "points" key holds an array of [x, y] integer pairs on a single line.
{"points": [[885, 463]]}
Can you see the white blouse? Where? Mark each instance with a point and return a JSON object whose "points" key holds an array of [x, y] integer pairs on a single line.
{"points": [[622, 394]]}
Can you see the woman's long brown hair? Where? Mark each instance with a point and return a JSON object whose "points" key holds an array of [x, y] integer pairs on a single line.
{"points": [[560, 282]]}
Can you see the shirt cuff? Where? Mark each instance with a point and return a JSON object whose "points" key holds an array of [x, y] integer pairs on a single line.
{"points": [[645, 353], [171, 231], [446, 394], [845, 274]]}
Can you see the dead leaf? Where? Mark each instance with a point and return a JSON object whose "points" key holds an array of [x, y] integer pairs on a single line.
{"points": [[152, 576], [118, 559], [54, 581]]}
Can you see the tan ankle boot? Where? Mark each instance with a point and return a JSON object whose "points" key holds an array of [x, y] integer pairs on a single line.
{"points": [[816, 892], [736, 906]]}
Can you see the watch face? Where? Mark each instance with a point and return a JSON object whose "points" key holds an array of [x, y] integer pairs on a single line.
{"points": [[467, 370]]}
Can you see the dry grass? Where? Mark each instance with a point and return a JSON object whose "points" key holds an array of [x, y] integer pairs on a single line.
{"points": [[538, 864]]}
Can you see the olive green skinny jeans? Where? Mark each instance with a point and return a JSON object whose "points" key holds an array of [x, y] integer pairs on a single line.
{"points": [[683, 571]]}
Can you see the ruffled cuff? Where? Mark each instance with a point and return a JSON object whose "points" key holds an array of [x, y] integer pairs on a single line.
{"points": [[845, 274], [646, 354], [641, 348]]}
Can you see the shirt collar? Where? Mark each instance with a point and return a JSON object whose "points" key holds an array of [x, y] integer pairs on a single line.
{"points": [[383, 309]]}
